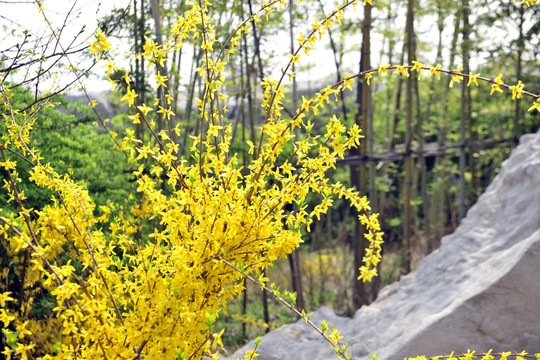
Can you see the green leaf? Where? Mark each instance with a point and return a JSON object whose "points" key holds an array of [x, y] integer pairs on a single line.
{"points": [[292, 296], [180, 354], [210, 320], [12, 338]]}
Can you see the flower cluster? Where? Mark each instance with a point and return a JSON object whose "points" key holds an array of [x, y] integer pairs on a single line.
{"points": [[490, 355], [497, 84], [121, 293]]}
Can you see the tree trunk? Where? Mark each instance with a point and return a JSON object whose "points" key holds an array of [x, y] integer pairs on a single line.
{"points": [[406, 264], [465, 107], [359, 176], [294, 258]]}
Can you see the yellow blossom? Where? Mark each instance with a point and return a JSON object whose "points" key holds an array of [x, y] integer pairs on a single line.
{"points": [[473, 79], [347, 81], [468, 356], [135, 118], [535, 105], [5, 297], [497, 85], [144, 109], [161, 80], [456, 78], [488, 356], [517, 90], [435, 71], [295, 59], [166, 112], [402, 69], [110, 66], [383, 68], [6, 318], [129, 96], [368, 76]]}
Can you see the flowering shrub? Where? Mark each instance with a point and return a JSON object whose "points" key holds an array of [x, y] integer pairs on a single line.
{"points": [[206, 222]]}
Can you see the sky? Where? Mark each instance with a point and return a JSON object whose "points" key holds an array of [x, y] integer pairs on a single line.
{"points": [[24, 14], [83, 16], [78, 18]]}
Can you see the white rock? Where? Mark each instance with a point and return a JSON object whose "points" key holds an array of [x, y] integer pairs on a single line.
{"points": [[480, 290]]}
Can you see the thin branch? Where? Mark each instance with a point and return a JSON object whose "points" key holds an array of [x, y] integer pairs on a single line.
{"points": [[289, 306]]}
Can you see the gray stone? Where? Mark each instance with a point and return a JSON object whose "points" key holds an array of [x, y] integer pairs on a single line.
{"points": [[480, 290]]}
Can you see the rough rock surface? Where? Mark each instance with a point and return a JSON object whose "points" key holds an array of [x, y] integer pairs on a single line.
{"points": [[480, 290]]}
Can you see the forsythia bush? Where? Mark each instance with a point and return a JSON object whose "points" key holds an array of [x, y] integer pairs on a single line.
{"points": [[149, 281], [119, 295]]}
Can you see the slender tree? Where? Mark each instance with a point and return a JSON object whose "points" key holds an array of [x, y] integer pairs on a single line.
{"points": [[294, 258], [465, 105], [408, 143], [359, 175]]}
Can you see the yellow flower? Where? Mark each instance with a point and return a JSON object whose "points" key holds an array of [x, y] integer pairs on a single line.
{"points": [[536, 105], [166, 112], [435, 71], [472, 79], [5, 318], [402, 69], [144, 109], [111, 66], [5, 297], [468, 356], [262, 280], [521, 355], [127, 79], [305, 104], [130, 96], [417, 66], [7, 352], [214, 130], [23, 331], [291, 75], [456, 78], [347, 82], [101, 44], [488, 356], [368, 76], [295, 59], [517, 90], [497, 85], [135, 118], [161, 80], [23, 348], [383, 68]]}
